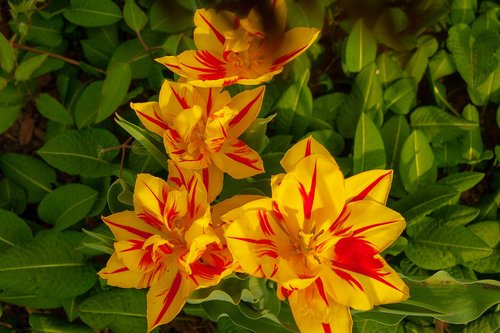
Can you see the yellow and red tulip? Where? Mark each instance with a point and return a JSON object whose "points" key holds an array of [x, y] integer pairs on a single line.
{"points": [[240, 50], [200, 129], [320, 237], [168, 243]]}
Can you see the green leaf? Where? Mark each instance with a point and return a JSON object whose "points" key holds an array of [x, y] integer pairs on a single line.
{"points": [[12, 196], [394, 133], [46, 32], [67, 205], [489, 232], [93, 13], [79, 152], [462, 181], [455, 215], [463, 11], [32, 174], [330, 139], [11, 102], [471, 142], [416, 164], [389, 69], [51, 109], [417, 64], [169, 17], [134, 16], [46, 324], [369, 150], [370, 326], [401, 96], [26, 68], [294, 108], [122, 310], [361, 47], [47, 266], [441, 65], [120, 197], [255, 135], [424, 200], [87, 105], [7, 55], [486, 323], [302, 14], [439, 125], [114, 90], [441, 246], [326, 107], [486, 91], [13, 230]]}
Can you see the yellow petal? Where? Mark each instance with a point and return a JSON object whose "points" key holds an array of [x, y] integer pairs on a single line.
{"points": [[211, 178], [166, 298], [247, 106], [315, 311], [302, 149], [216, 130], [151, 117], [134, 256], [238, 160], [211, 27], [126, 225], [179, 151], [211, 99], [294, 42], [186, 121], [370, 185], [174, 98], [228, 205], [119, 275]]}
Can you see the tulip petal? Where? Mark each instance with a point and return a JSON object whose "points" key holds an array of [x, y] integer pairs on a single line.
{"points": [[178, 150], [210, 28], [134, 256], [126, 225], [150, 116], [294, 42], [314, 311], [186, 121], [174, 98], [371, 185], [302, 149], [248, 105], [211, 179], [166, 298], [119, 275], [238, 160]]}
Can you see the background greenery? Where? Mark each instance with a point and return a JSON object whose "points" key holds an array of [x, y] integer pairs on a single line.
{"points": [[412, 86]]}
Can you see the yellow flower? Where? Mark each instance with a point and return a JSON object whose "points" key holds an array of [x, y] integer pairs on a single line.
{"points": [[200, 129], [167, 243], [235, 50], [320, 237]]}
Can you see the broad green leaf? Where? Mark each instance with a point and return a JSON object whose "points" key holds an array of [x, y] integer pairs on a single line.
{"points": [[255, 135], [471, 141], [462, 181], [13, 230], [442, 246], [463, 11], [47, 266], [122, 310], [26, 68], [302, 14], [424, 200], [119, 197], [369, 150], [12, 196], [486, 323], [417, 64], [66, 205], [429, 44], [294, 108], [46, 32], [488, 20], [447, 153], [46, 324], [455, 215], [394, 133], [134, 16], [441, 65], [389, 70], [32, 174], [51, 109], [488, 90], [326, 107], [93, 13], [29, 299], [98, 241], [330, 139], [114, 90], [278, 143], [7, 55], [97, 52], [416, 164], [11, 102], [80, 152], [390, 29], [361, 47], [87, 105], [370, 326], [439, 125], [488, 231], [145, 138], [401, 96], [169, 17]]}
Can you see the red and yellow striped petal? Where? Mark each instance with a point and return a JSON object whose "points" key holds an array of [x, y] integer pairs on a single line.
{"points": [[179, 151], [247, 106], [302, 149], [211, 179], [186, 121], [150, 115], [126, 225], [315, 311], [174, 98], [369, 185], [238, 160], [211, 27], [118, 275], [293, 43]]}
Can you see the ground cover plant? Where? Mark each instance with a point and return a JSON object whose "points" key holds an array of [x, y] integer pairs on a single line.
{"points": [[240, 166]]}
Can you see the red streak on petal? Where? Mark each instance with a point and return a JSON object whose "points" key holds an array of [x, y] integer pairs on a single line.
{"points": [[157, 122], [206, 178], [174, 66], [268, 253], [326, 327], [243, 112], [243, 160], [182, 102], [150, 219], [214, 67], [348, 277], [277, 211], [321, 290], [161, 203], [369, 188], [265, 226], [340, 219], [209, 102], [173, 290], [165, 249], [285, 292], [136, 245], [275, 270], [219, 36], [176, 181], [267, 242], [119, 270], [181, 175], [368, 227], [146, 260], [308, 197], [192, 200], [137, 232], [278, 62], [308, 148]]}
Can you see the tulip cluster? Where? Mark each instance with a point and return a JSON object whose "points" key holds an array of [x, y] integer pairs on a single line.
{"points": [[319, 236]]}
